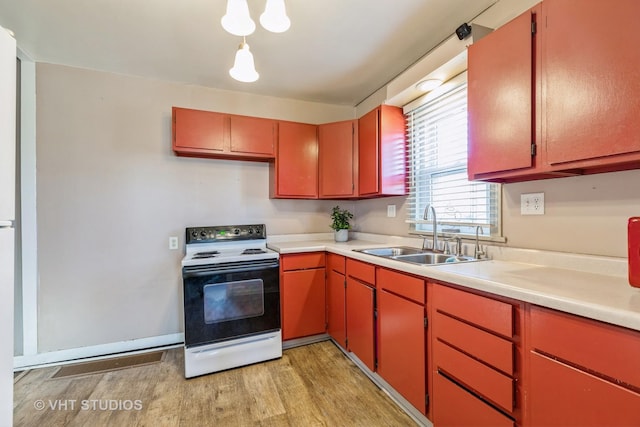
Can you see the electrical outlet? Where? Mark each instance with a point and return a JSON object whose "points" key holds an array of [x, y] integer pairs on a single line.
{"points": [[391, 211], [532, 204], [173, 243]]}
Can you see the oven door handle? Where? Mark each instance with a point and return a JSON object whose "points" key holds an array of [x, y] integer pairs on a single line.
{"points": [[199, 271]]}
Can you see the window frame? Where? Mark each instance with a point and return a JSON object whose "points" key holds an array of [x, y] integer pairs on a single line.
{"points": [[446, 228]]}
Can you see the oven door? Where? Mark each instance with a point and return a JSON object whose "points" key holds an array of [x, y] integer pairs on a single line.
{"points": [[231, 300]]}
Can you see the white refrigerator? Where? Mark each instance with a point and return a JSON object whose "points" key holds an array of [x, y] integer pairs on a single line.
{"points": [[7, 216]]}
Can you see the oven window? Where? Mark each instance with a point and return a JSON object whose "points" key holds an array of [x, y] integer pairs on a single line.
{"points": [[233, 300]]}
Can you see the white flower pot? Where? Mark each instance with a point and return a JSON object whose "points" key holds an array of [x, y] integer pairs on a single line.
{"points": [[341, 235]]}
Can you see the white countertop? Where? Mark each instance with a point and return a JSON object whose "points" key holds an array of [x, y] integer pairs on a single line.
{"points": [[595, 289]]}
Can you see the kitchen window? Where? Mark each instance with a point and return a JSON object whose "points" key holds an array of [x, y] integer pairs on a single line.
{"points": [[437, 135]]}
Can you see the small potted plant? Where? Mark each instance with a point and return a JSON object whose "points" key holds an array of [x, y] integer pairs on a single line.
{"points": [[340, 223]]}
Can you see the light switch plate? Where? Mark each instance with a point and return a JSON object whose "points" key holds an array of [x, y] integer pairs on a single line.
{"points": [[391, 211], [173, 243], [532, 204]]}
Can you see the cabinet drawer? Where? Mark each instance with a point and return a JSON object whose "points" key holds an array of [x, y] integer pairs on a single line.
{"points": [[336, 263], [404, 285], [491, 349], [302, 261], [456, 407], [487, 313], [487, 382], [564, 396], [361, 271], [610, 350]]}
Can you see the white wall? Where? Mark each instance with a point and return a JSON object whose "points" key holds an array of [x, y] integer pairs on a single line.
{"points": [[110, 192]]}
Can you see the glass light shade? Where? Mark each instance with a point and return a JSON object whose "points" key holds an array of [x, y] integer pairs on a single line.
{"points": [[244, 69], [274, 18], [237, 20]]}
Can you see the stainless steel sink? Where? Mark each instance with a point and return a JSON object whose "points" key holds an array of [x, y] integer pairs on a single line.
{"points": [[415, 255], [432, 258], [390, 252]]}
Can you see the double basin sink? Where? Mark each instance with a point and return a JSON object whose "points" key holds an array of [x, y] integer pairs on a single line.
{"points": [[415, 256]]}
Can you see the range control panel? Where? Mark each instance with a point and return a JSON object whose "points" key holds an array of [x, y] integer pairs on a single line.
{"points": [[225, 233]]}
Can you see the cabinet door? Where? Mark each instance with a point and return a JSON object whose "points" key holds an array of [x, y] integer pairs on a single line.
{"points": [[360, 321], [369, 153], [336, 314], [297, 161], [336, 159], [382, 152], [401, 349], [198, 131], [561, 395], [592, 79], [500, 100], [253, 136], [303, 301]]}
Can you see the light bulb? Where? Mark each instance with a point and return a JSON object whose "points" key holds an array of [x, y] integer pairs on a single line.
{"points": [[428, 85]]}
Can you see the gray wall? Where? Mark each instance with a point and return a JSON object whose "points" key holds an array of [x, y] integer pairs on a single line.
{"points": [[110, 192]]}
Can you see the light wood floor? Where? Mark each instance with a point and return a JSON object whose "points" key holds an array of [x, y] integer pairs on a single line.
{"points": [[314, 385]]}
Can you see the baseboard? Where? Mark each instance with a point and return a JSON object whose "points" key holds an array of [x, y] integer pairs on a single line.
{"points": [[73, 354], [298, 342]]}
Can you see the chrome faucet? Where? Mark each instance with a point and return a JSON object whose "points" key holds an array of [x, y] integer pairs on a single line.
{"points": [[434, 243], [478, 252], [458, 241]]}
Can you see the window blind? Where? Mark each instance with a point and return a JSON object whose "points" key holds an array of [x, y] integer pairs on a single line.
{"points": [[437, 135]]}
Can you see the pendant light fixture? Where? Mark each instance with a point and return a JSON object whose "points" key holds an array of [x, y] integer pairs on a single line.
{"points": [[274, 18], [238, 22], [244, 69]]}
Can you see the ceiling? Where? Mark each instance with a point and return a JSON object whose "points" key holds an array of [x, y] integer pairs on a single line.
{"points": [[336, 51]]}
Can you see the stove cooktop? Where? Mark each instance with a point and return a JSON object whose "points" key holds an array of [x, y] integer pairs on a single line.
{"points": [[220, 244]]}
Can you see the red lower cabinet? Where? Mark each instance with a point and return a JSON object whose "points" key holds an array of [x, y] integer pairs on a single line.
{"points": [[360, 301], [302, 295], [476, 363], [303, 311], [401, 352], [562, 395], [336, 310], [582, 372]]}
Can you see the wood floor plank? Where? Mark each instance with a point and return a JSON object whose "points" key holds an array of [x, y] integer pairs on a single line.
{"points": [[265, 400], [165, 402], [313, 385], [301, 409]]}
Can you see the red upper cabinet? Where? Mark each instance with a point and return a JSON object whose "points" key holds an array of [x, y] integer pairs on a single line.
{"points": [[336, 153], [382, 152], [199, 133], [556, 92], [294, 174], [502, 99], [592, 78], [196, 131], [252, 136]]}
